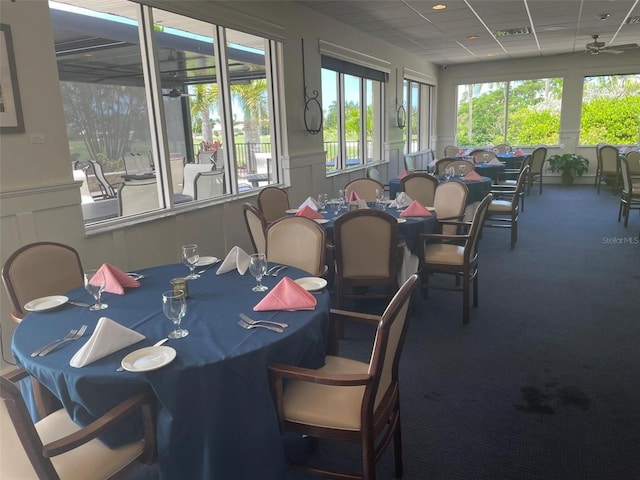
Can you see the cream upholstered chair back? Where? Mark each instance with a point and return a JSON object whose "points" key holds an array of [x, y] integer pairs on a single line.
{"points": [[442, 164], [273, 202], [609, 157], [450, 202], [456, 164], [298, 242], [627, 184], [208, 184], [389, 339], [420, 187], [138, 196], [256, 226], [38, 270], [22, 442], [480, 153], [633, 160], [450, 151], [364, 187], [502, 148], [366, 244], [538, 157]]}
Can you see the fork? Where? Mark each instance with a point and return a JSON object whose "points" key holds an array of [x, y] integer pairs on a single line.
{"points": [[276, 271], [249, 326], [69, 335], [51, 348], [251, 321]]}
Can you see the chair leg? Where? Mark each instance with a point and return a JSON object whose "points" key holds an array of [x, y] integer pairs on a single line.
{"points": [[465, 300], [397, 449], [514, 232], [620, 210], [368, 461]]}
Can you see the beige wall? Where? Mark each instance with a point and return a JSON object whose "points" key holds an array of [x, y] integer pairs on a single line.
{"points": [[40, 201]]}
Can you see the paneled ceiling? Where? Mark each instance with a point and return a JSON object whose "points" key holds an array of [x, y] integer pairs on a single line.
{"points": [[445, 37]]}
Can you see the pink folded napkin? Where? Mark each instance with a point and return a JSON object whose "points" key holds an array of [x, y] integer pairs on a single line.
{"points": [[353, 197], [472, 175], [308, 212], [416, 209], [518, 152], [286, 295], [115, 279], [402, 174]]}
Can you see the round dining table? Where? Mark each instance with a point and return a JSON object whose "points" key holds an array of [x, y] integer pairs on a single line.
{"points": [[215, 414]]}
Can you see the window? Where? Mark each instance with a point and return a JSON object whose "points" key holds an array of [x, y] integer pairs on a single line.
{"points": [[417, 98], [611, 110], [352, 103], [521, 112], [172, 110]]}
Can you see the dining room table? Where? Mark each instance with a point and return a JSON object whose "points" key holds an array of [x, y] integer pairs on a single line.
{"points": [[215, 415]]}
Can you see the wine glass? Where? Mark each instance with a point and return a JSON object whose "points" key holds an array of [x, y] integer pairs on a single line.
{"points": [[258, 267], [322, 201], [94, 283], [190, 257], [463, 169], [174, 307], [448, 173]]}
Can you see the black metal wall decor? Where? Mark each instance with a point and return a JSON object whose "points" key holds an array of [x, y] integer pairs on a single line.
{"points": [[312, 107]]}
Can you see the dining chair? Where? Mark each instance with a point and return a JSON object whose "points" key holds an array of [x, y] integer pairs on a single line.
{"points": [[442, 164], [455, 255], [365, 188], [608, 169], [536, 168], [349, 400], [208, 184], [449, 202], [479, 155], [456, 164], [630, 196], [298, 242], [374, 174], [273, 202], [55, 448], [450, 151], [633, 160], [508, 178], [502, 148], [504, 209], [190, 172], [107, 189], [177, 173], [256, 226], [138, 196], [38, 270], [367, 253], [420, 187]]}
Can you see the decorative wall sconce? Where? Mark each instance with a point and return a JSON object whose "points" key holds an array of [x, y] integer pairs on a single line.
{"points": [[312, 107], [401, 112]]}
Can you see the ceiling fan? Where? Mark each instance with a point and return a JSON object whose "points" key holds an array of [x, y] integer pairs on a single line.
{"points": [[176, 92], [596, 47]]}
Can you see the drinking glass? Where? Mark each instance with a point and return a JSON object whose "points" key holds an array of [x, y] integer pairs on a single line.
{"points": [[258, 267], [174, 307], [94, 283], [190, 257], [448, 173], [343, 195], [463, 169], [485, 158], [322, 200]]}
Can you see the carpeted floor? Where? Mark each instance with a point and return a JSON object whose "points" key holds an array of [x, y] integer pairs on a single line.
{"points": [[544, 382]]}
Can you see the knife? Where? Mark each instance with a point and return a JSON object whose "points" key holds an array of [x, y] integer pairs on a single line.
{"points": [[200, 272]]}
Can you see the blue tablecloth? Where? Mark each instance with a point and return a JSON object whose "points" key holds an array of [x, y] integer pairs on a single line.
{"points": [[214, 403], [477, 188]]}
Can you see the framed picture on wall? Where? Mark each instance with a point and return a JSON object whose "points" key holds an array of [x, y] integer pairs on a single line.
{"points": [[10, 108]]}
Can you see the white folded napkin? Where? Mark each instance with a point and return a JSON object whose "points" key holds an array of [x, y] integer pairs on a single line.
{"points": [[311, 203], [402, 200], [237, 259], [108, 337]]}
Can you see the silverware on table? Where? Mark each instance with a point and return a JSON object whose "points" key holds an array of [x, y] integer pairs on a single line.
{"points": [[78, 304], [251, 321], [200, 272], [157, 344], [272, 269], [275, 272], [248, 326], [52, 346]]}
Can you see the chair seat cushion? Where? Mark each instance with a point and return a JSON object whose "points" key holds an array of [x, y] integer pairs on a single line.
{"points": [[326, 405], [444, 254], [93, 460], [502, 206]]}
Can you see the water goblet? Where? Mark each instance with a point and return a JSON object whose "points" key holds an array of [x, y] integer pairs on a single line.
{"points": [[174, 307], [343, 195], [485, 158], [190, 257], [448, 173], [463, 169], [94, 284], [258, 267]]}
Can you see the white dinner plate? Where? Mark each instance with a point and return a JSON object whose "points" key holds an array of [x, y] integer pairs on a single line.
{"points": [[321, 220], [148, 358], [292, 210], [45, 303], [312, 284], [431, 209], [402, 220], [204, 261]]}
